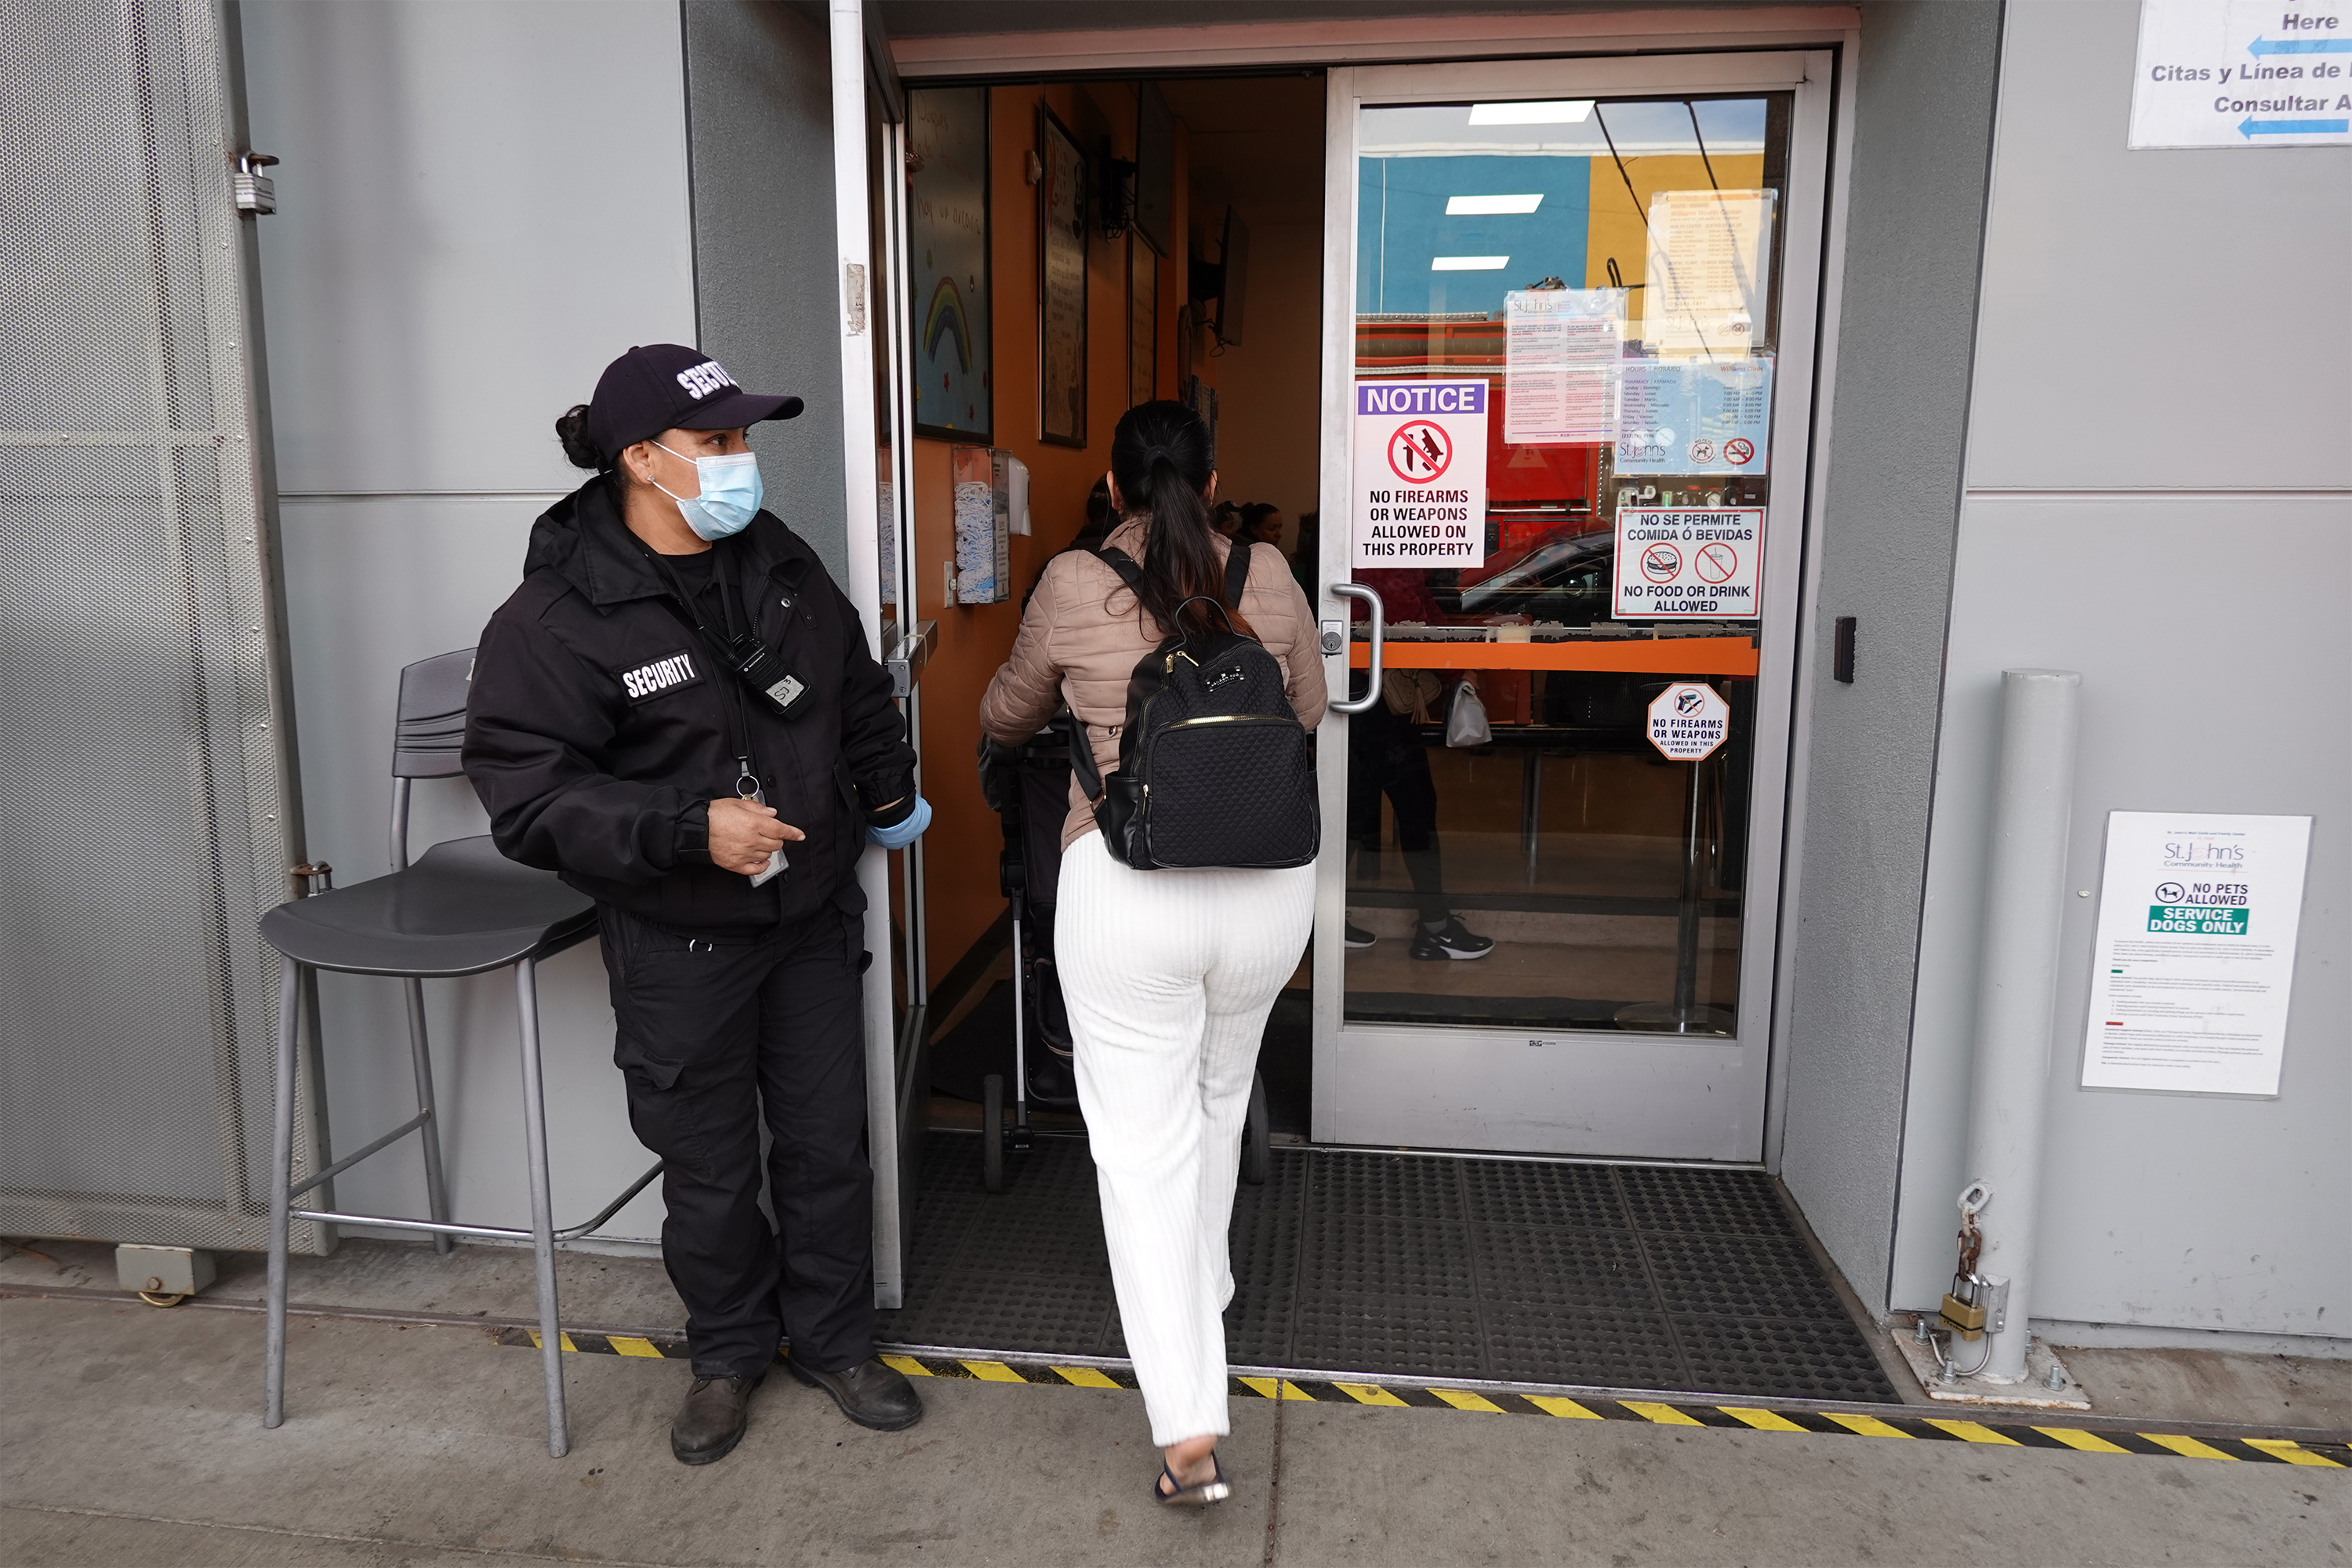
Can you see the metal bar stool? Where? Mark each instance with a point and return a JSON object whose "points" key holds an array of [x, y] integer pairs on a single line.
{"points": [[462, 908]]}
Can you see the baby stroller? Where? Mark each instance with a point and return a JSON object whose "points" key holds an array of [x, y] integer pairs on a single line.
{"points": [[1028, 787]]}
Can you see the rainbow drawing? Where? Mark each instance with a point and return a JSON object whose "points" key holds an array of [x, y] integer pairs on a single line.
{"points": [[946, 318]]}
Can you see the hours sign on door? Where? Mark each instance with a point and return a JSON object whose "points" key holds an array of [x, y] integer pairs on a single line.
{"points": [[1420, 473]]}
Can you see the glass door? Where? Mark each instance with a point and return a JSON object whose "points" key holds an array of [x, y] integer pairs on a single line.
{"points": [[1567, 377], [869, 217]]}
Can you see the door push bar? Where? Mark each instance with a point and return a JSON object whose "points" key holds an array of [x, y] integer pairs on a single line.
{"points": [[1372, 685]]}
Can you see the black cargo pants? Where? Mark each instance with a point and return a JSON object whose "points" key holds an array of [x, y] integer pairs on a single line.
{"points": [[712, 1034], [1384, 758]]}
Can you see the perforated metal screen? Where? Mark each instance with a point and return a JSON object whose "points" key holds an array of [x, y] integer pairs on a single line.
{"points": [[142, 828]]}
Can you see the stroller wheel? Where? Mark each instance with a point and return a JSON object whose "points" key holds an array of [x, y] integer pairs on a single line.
{"points": [[991, 1133], [1258, 1136]]}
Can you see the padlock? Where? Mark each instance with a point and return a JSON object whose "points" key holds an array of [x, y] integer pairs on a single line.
{"points": [[1966, 1319]]}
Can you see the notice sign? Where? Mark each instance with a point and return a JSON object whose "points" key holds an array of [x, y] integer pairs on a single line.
{"points": [[2195, 956], [1688, 561], [1420, 473], [1688, 721], [2242, 73]]}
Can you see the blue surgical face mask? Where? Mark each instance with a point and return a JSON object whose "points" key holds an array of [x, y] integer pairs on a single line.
{"points": [[731, 493]]}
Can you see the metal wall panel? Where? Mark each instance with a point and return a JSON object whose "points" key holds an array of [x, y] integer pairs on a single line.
{"points": [[2155, 320], [2161, 1210], [1923, 99], [479, 205], [2157, 431], [145, 820]]}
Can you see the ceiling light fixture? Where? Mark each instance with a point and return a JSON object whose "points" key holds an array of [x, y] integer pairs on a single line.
{"points": [[1551, 111], [1469, 263], [1490, 206]]}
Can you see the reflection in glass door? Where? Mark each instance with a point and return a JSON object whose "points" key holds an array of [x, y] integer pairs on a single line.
{"points": [[1569, 414]]}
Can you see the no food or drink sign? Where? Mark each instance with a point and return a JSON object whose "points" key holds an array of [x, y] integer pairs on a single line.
{"points": [[1421, 474], [1693, 562]]}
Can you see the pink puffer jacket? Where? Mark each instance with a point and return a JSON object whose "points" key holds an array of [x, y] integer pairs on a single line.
{"points": [[1083, 634]]}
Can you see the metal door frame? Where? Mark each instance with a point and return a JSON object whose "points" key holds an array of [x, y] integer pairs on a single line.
{"points": [[1626, 1095], [863, 77]]}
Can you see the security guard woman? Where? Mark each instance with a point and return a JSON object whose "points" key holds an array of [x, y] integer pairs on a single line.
{"points": [[677, 714]]}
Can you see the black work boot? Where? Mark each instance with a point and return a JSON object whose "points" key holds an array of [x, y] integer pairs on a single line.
{"points": [[870, 1394], [710, 1423]]}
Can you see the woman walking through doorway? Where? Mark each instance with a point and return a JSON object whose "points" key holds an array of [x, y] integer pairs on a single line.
{"points": [[1169, 974]]}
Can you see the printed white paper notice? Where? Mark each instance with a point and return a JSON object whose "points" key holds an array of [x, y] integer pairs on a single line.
{"points": [[2195, 956], [1708, 274], [1564, 350], [1699, 562], [2242, 73], [1420, 473]]}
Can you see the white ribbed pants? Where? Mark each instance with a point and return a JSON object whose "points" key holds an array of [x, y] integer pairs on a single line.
{"points": [[1170, 976]]}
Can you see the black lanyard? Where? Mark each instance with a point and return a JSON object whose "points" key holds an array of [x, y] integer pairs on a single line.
{"points": [[720, 648]]}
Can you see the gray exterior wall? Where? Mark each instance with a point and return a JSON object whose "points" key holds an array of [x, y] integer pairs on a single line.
{"points": [[479, 205], [760, 119], [1897, 420], [2158, 445]]}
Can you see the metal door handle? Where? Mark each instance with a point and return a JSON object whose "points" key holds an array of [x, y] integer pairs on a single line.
{"points": [[1372, 687]]}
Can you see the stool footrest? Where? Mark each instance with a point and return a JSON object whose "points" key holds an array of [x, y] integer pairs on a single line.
{"points": [[434, 1227], [439, 1227]]}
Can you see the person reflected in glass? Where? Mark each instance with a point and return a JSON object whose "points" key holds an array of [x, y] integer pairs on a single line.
{"points": [[1387, 757]]}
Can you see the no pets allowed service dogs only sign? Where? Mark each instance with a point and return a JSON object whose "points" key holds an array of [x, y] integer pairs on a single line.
{"points": [[1687, 561], [1420, 473]]}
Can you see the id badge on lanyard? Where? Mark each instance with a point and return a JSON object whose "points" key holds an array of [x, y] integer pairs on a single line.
{"points": [[747, 787]]}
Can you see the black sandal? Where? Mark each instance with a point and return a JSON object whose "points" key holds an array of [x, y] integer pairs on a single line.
{"points": [[1202, 1494]]}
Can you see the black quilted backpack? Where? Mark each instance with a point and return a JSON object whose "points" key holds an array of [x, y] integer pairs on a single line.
{"points": [[1213, 766]]}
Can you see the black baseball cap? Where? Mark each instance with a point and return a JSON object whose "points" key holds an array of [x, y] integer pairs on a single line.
{"points": [[667, 386]]}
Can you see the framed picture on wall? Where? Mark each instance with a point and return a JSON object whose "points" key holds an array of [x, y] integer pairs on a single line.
{"points": [[1061, 285], [1142, 320], [947, 256]]}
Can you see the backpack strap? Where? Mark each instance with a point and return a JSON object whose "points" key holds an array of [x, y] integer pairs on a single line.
{"points": [[1124, 564], [1237, 565], [1082, 760], [1082, 753]]}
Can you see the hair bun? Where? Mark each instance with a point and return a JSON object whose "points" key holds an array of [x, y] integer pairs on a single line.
{"points": [[571, 429]]}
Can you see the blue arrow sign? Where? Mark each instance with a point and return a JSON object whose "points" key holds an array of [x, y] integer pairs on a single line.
{"points": [[2252, 128], [2262, 47]]}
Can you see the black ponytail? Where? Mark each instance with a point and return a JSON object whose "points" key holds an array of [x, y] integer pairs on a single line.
{"points": [[571, 429], [1161, 458]]}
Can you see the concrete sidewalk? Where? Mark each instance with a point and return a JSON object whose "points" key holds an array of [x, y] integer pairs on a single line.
{"points": [[130, 1434]]}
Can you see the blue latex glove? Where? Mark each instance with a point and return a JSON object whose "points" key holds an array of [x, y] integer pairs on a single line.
{"points": [[910, 828]]}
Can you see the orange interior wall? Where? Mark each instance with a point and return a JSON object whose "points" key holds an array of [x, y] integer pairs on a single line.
{"points": [[965, 838]]}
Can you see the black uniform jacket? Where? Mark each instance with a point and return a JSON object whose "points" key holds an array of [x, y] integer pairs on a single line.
{"points": [[599, 726]]}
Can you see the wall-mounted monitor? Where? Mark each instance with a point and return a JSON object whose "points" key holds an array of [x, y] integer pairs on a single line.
{"points": [[1217, 287], [1155, 167]]}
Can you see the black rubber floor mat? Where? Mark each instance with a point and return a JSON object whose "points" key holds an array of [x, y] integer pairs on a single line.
{"points": [[1398, 1265]]}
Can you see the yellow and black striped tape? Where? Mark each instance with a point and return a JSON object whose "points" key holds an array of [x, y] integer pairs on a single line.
{"points": [[1496, 1402]]}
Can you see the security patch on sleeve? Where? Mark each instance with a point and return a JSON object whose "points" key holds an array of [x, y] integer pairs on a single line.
{"points": [[666, 674]]}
